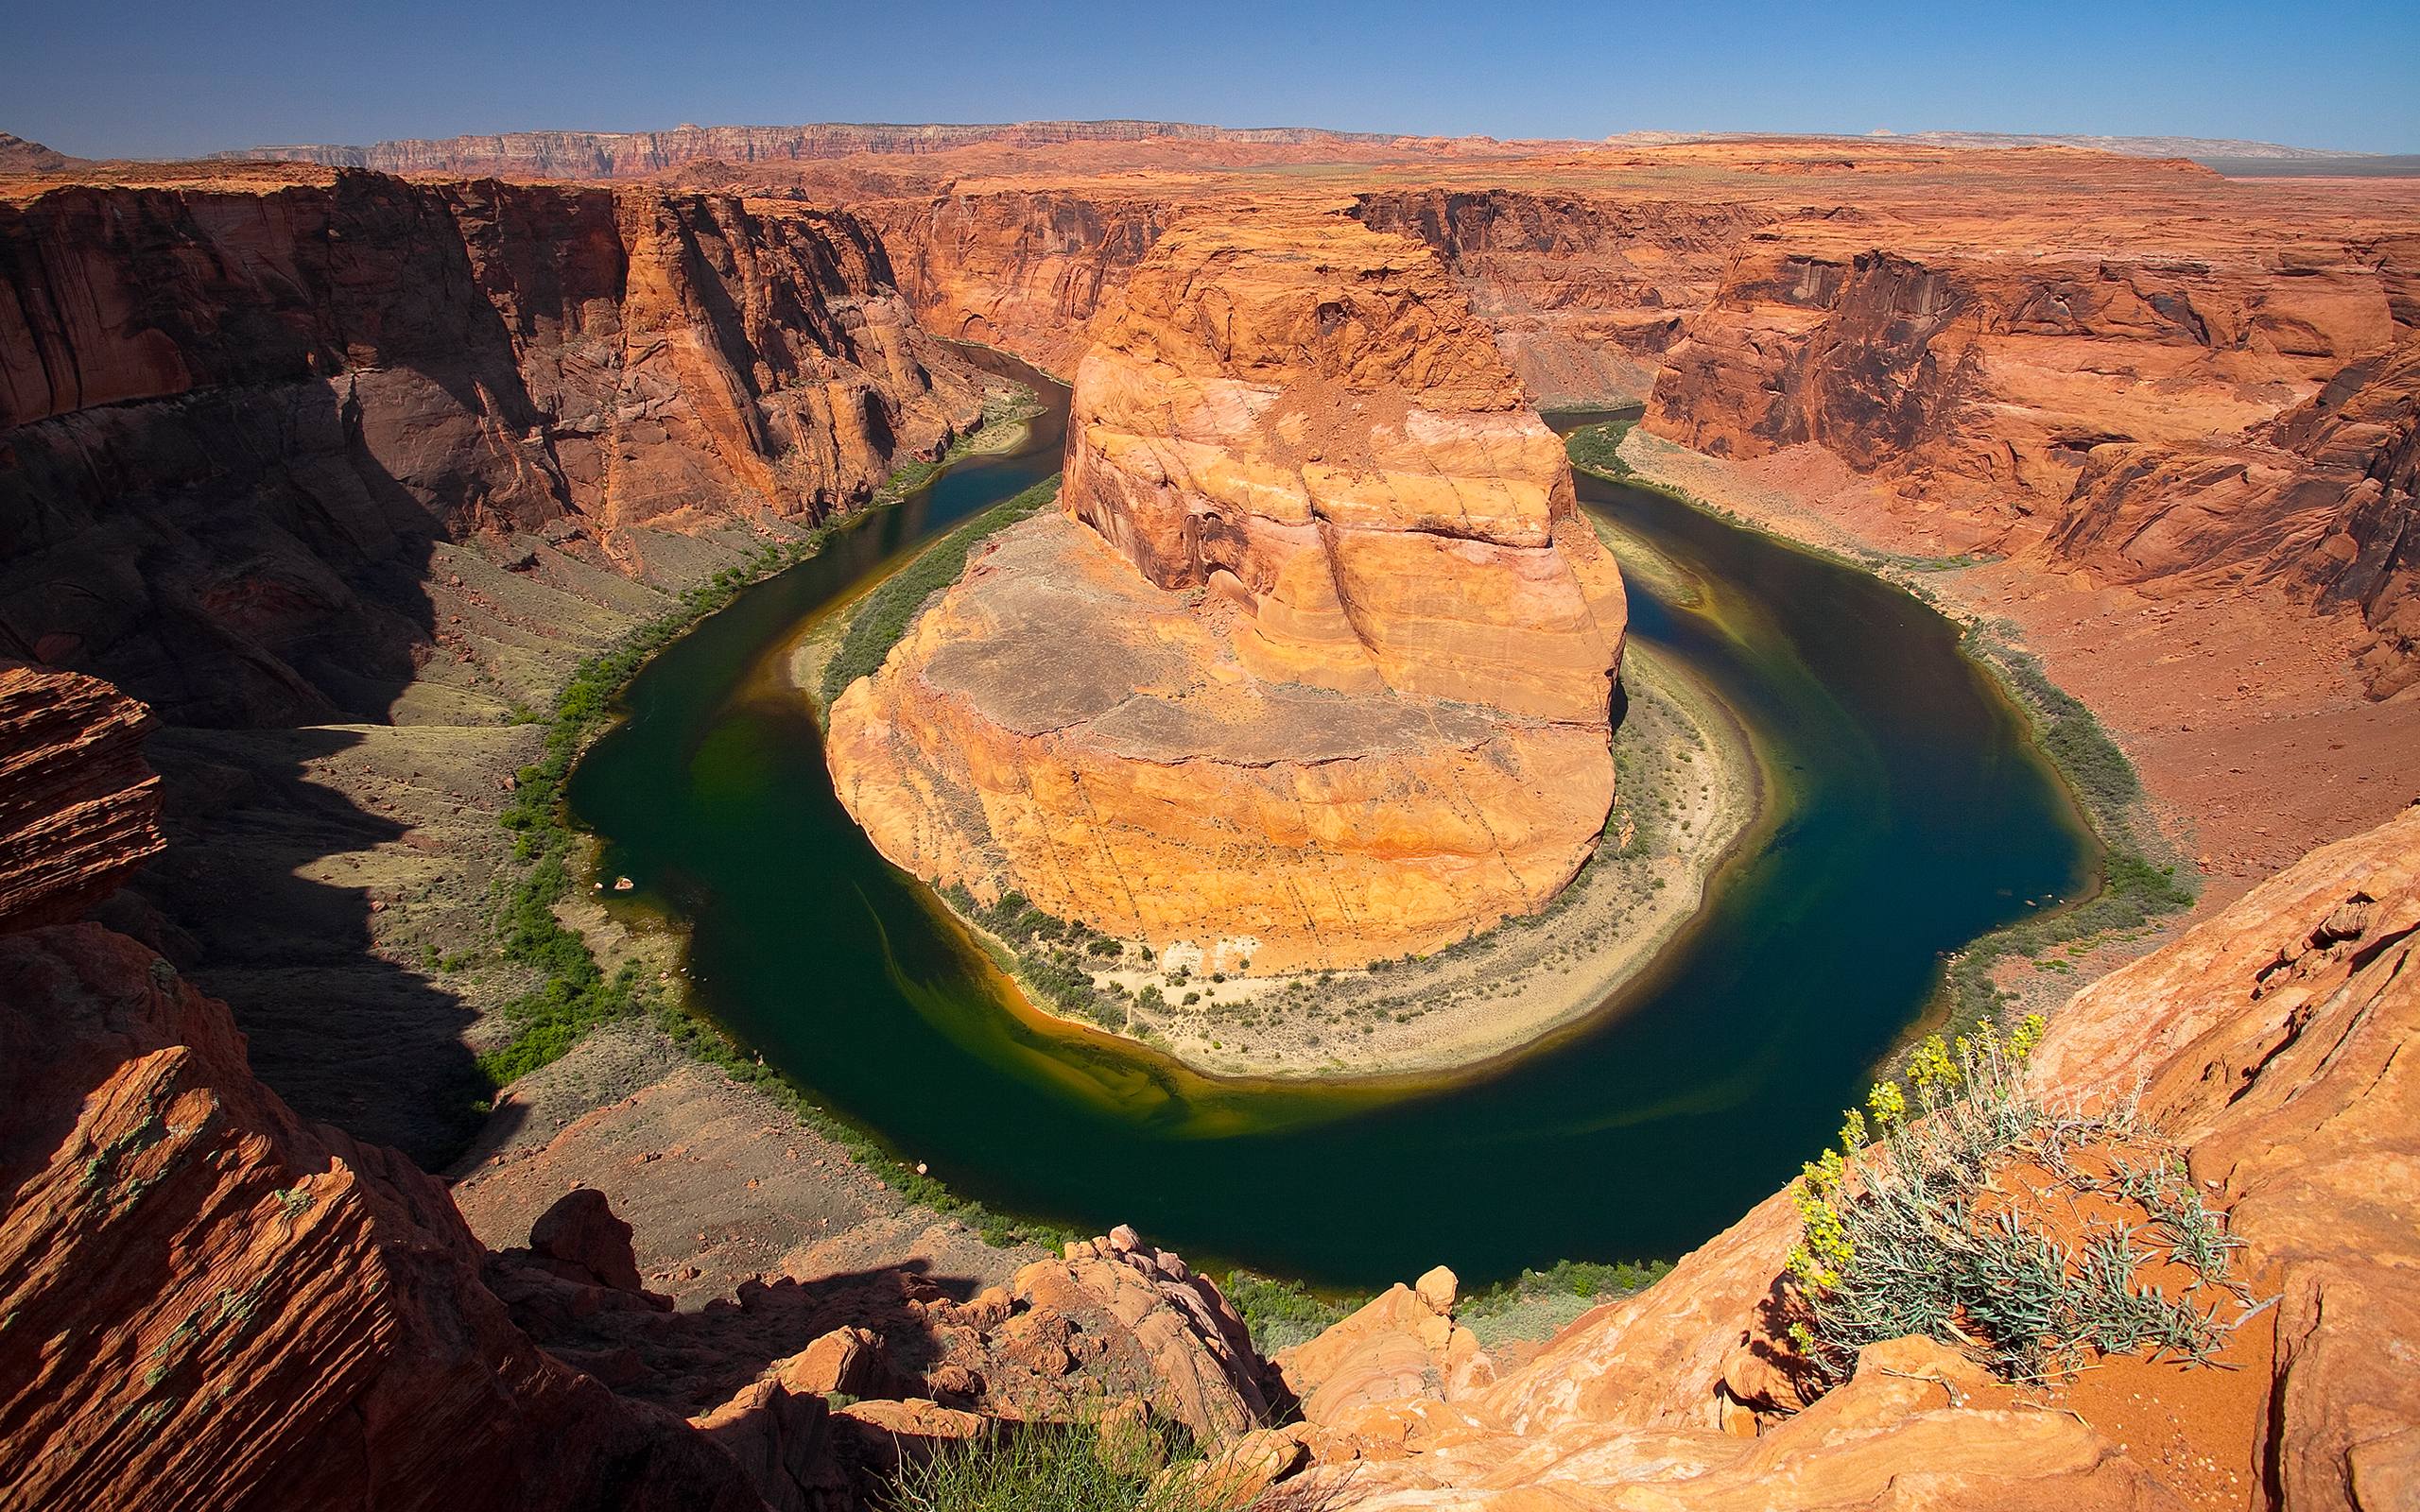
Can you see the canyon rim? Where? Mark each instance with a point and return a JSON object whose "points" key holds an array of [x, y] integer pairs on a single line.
{"points": [[1719, 821]]}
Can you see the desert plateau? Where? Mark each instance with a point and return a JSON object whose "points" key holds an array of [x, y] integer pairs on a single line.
{"points": [[1550, 813]]}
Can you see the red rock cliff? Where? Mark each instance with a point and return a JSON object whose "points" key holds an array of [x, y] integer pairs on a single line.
{"points": [[211, 1303], [1021, 271], [78, 809], [232, 411]]}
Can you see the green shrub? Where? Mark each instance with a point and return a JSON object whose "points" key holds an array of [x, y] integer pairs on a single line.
{"points": [[1896, 1238], [887, 612], [1587, 1280], [1051, 1468], [1282, 1313], [1598, 448]]}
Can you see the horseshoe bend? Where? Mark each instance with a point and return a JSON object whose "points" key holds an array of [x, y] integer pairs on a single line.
{"points": [[1110, 816]]}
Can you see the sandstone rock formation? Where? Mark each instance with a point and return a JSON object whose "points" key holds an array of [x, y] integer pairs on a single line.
{"points": [[2275, 1042], [211, 1303], [236, 410], [2160, 407], [2272, 1042], [1586, 294], [1113, 1320], [1315, 667], [1963, 327], [1018, 269], [77, 806], [2319, 500]]}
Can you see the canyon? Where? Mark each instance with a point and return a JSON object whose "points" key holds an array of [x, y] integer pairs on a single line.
{"points": [[316, 482]]}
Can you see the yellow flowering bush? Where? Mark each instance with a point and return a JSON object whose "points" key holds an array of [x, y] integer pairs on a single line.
{"points": [[1891, 1242]]}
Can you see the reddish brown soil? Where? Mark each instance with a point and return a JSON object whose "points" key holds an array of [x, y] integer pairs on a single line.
{"points": [[2200, 1426], [2241, 709]]}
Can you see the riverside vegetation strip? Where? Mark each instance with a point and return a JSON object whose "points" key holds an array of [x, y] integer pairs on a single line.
{"points": [[1688, 790], [573, 992], [2137, 883]]}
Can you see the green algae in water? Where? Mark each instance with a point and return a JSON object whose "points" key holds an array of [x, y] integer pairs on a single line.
{"points": [[1912, 813]]}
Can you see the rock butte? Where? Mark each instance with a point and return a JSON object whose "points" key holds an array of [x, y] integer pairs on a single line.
{"points": [[1315, 666]]}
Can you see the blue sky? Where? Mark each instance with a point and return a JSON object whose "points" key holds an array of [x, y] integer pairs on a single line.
{"points": [[102, 78]]}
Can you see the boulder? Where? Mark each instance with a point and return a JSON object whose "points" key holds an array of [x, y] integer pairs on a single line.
{"points": [[580, 1234]]}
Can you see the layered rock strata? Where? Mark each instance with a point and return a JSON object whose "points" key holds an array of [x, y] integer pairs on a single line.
{"points": [[1315, 665], [211, 1303], [1024, 270], [2319, 500], [2169, 413], [79, 808], [236, 410]]}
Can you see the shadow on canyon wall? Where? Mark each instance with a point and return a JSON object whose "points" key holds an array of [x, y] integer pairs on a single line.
{"points": [[689, 1360], [241, 562]]}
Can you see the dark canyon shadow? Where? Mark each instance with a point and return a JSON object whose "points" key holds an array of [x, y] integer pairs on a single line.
{"points": [[240, 561]]}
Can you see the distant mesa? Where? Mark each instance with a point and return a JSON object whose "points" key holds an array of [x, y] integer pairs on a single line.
{"points": [[17, 155], [1314, 666]]}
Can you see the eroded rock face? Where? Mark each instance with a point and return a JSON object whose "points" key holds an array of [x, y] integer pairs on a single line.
{"points": [[2178, 412], [1315, 666], [2277, 1042], [236, 410], [2319, 500], [212, 1303], [1586, 294], [1016, 270], [79, 808], [2273, 1042]]}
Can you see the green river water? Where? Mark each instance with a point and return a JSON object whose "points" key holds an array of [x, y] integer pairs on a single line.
{"points": [[1908, 811]]}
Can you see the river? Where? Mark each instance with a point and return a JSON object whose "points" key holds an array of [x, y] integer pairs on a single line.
{"points": [[1908, 811]]}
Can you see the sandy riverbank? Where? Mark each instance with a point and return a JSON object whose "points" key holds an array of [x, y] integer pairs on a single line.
{"points": [[1689, 787], [2239, 708]]}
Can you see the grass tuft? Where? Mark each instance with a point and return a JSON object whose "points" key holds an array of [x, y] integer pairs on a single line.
{"points": [[884, 617], [1054, 1467]]}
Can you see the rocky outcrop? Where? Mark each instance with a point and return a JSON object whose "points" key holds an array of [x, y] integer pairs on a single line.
{"points": [[2275, 1043], [1114, 1319], [79, 808], [1315, 666], [1364, 1381], [234, 413], [211, 1303], [2319, 502]]}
